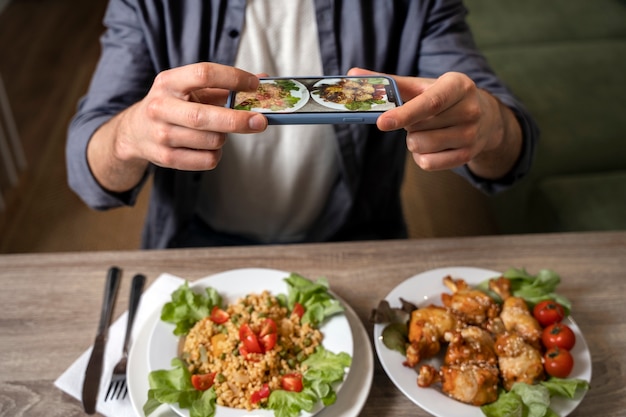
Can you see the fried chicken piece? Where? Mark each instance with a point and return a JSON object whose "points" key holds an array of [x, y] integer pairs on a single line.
{"points": [[471, 383], [515, 314], [427, 328], [473, 306], [470, 372], [518, 360], [470, 345]]}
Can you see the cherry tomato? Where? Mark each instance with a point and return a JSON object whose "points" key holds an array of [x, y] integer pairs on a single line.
{"points": [[249, 339], [218, 316], [202, 382], [298, 310], [558, 335], [558, 362], [268, 334], [292, 382], [548, 312], [257, 396]]}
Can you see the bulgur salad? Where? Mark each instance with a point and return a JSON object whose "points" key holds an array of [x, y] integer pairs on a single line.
{"points": [[262, 351]]}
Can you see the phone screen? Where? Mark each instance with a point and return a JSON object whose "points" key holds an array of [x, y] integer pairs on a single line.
{"points": [[322, 96]]}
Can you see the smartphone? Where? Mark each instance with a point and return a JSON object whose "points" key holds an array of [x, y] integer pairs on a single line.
{"points": [[320, 100]]}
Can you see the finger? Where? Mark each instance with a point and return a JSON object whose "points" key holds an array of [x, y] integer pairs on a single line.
{"points": [[215, 96], [433, 141], [356, 72], [436, 97], [182, 81], [428, 104], [443, 160], [200, 116], [180, 137], [186, 159]]}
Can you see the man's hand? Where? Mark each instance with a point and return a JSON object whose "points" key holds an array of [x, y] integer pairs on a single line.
{"points": [[450, 122], [180, 124]]}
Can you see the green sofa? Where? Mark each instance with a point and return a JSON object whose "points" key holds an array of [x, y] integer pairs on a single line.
{"points": [[566, 60]]}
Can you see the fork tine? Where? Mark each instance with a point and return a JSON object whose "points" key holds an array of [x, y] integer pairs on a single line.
{"points": [[116, 388], [110, 391], [123, 389]]}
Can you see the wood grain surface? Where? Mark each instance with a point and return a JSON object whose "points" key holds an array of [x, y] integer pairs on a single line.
{"points": [[50, 302]]}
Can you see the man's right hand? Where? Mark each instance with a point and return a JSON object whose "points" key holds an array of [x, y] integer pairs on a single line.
{"points": [[181, 124]]}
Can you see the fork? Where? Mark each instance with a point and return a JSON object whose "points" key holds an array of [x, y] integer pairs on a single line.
{"points": [[117, 387]]}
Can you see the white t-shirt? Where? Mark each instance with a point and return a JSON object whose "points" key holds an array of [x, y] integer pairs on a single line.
{"points": [[273, 185]]}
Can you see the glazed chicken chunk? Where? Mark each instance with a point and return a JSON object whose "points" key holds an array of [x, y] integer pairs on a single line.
{"points": [[470, 345], [427, 328], [473, 306], [518, 361], [515, 314], [474, 383], [470, 372]]}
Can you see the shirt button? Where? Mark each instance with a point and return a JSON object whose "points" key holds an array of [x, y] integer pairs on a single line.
{"points": [[233, 33]]}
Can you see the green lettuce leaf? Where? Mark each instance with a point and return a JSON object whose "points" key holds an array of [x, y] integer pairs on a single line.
{"points": [[525, 400], [174, 386], [314, 296], [290, 404], [565, 387], [508, 404], [324, 368], [532, 288], [188, 307], [535, 397]]}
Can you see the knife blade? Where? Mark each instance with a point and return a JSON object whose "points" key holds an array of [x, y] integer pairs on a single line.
{"points": [[93, 372]]}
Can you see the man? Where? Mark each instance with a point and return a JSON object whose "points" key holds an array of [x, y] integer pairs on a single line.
{"points": [[222, 176]]}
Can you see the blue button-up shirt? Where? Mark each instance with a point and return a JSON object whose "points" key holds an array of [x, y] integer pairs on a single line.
{"points": [[407, 37]]}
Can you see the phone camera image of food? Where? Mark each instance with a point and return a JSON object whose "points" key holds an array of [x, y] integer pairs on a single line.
{"points": [[320, 100]]}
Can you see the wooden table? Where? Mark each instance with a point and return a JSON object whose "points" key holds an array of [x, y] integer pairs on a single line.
{"points": [[50, 303]]}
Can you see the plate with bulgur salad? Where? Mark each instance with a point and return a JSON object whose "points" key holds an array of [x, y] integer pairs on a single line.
{"points": [[249, 342]]}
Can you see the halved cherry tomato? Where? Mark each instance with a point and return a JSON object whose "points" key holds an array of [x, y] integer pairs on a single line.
{"points": [[292, 382], [257, 396], [558, 335], [548, 312], [298, 310], [268, 334], [249, 339], [218, 316], [203, 382], [558, 362]]}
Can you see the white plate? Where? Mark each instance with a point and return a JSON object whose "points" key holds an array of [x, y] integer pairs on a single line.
{"points": [[302, 93], [234, 284], [426, 288], [338, 106]]}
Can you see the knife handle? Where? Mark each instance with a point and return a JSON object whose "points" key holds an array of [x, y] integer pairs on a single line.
{"points": [[110, 292]]}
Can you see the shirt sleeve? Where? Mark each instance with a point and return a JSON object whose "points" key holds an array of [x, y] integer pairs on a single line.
{"points": [[123, 76], [448, 45]]}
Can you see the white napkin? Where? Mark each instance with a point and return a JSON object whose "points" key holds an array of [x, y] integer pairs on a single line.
{"points": [[71, 381]]}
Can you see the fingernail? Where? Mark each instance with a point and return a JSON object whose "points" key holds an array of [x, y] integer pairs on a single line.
{"points": [[257, 122], [253, 84]]}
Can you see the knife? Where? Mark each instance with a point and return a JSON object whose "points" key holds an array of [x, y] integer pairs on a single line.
{"points": [[93, 372]]}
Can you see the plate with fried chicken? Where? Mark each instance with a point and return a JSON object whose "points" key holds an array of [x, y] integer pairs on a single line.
{"points": [[463, 341]]}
